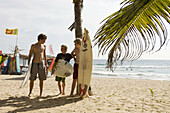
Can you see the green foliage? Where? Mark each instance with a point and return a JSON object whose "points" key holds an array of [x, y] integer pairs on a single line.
{"points": [[151, 91], [111, 95], [137, 27]]}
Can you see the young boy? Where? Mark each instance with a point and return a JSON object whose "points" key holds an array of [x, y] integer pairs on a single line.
{"points": [[38, 67], [67, 57], [75, 54]]}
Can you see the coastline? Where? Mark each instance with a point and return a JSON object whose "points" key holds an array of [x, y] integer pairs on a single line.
{"points": [[111, 95]]}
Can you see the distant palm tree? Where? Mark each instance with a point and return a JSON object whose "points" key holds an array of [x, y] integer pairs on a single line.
{"points": [[137, 27]]}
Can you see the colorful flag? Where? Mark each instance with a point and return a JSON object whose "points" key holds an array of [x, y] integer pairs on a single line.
{"points": [[51, 49], [11, 31]]}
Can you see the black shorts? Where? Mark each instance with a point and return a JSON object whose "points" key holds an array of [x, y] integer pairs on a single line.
{"points": [[75, 74]]}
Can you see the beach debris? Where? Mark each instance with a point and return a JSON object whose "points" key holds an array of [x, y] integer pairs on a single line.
{"points": [[151, 91], [110, 95]]}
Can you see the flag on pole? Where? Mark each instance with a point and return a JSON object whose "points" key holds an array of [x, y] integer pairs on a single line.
{"points": [[11, 31], [51, 49]]}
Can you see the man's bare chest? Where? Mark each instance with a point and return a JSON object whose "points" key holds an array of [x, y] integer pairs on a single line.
{"points": [[38, 49]]}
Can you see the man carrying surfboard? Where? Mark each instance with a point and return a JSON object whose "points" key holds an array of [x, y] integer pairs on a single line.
{"points": [[67, 57], [39, 51]]}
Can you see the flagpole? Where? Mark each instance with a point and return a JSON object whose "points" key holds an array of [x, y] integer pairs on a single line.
{"points": [[16, 40]]}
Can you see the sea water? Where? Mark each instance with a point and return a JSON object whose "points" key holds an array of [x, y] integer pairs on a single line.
{"points": [[138, 69]]}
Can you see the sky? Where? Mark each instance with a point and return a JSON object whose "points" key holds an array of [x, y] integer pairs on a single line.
{"points": [[53, 17]]}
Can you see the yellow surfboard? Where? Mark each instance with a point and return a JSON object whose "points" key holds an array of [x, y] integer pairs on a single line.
{"points": [[85, 65]]}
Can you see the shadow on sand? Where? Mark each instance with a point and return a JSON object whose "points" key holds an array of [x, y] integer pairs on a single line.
{"points": [[24, 104], [17, 78]]}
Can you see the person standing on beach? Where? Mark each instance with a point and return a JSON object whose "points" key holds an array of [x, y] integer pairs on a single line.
{"points": [[75, 54], [67, 57], [39, 51]]}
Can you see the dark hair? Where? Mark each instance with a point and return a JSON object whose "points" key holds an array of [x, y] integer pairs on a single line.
{"points": [[64, 47], [42, 36]]}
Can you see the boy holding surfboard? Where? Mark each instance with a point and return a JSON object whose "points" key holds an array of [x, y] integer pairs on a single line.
{"points": [[39, 51], [67, 57]]}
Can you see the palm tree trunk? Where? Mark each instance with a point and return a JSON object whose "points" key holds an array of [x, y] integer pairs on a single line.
{"points": [[78, 24]]}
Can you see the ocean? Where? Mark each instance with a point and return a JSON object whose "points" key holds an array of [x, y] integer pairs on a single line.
{"points": [[138, 69]]}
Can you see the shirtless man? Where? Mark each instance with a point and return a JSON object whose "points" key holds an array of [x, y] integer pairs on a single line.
{"points": [[39, 51], [75, 55]]}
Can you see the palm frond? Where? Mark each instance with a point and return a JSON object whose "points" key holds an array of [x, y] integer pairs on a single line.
{"points": [[137, 27]]}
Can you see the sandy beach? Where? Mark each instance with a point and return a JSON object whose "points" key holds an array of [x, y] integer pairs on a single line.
{"points": [[110, 96]]}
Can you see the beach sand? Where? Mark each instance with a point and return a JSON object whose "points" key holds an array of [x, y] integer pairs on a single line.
{"points": [[111, 95]]}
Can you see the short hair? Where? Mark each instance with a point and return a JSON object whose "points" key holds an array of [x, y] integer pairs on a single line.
{"points": [[42, 36], [78, 41], [64, 47]]}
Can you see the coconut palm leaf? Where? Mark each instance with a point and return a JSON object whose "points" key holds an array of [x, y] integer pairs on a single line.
{"points": [[137, 27]]}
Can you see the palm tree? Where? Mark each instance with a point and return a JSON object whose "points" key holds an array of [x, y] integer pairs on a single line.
{"points": [[77, 24], [136, 28], [78, 4]]}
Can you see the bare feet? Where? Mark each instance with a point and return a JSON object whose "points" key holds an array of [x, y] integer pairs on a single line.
{"points": [[85, 96], [71, 95], [58, 94], [29, 95], [63, 93]]}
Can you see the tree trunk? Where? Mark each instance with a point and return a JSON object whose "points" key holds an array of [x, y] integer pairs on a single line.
{"points": [[78, 24]]}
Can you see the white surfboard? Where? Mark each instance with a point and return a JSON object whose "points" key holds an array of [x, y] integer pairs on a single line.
{"points": [[27, 76], [63, 69], [85, 65], [17, 62]]}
